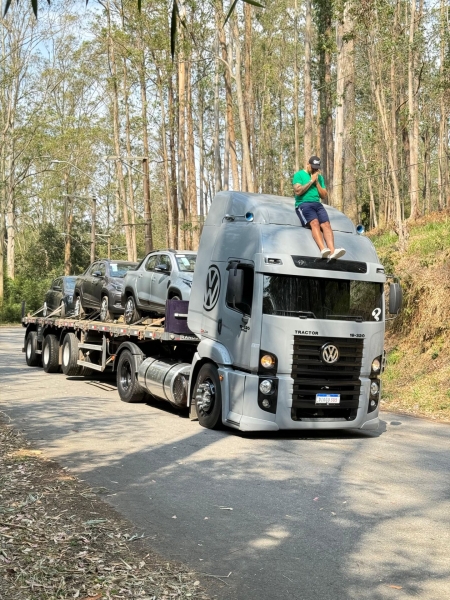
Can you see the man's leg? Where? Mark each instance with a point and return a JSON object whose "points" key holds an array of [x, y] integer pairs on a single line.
{"points": [[317, 234], [328, 235]]}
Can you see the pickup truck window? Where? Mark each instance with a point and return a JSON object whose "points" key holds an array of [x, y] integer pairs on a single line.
{"points": [[321, 298]]}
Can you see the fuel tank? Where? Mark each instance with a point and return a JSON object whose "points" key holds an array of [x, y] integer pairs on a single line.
{"points": [[166, 379]]}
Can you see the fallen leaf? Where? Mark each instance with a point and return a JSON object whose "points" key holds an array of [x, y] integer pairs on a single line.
{"points": [[396, 587]]}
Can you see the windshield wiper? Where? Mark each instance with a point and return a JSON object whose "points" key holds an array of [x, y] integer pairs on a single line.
{"points": [[302, 314], [356, 318]]}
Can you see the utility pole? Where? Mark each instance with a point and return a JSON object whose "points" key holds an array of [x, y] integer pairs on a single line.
{"points": [[93, 216]]}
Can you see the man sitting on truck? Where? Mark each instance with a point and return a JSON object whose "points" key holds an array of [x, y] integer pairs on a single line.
{"points": [[309, 190]]}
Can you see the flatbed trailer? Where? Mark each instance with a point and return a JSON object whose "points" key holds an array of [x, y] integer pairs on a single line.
{"points": [[79, 346]]}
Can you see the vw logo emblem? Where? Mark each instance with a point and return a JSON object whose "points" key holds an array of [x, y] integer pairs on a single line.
{"points": [[212, 290], [329, 354]]}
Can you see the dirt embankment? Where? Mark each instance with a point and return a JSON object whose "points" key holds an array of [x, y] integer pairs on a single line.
{"points": [[417, 379]]}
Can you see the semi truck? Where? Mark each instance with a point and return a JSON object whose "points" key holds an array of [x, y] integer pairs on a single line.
{"points": [[273, 336]]}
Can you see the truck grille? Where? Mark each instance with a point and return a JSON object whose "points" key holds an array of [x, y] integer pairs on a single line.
{"points": [[312, 376]]}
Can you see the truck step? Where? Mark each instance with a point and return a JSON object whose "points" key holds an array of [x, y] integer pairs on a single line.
{"points": [[97, 347], [84, 363]]}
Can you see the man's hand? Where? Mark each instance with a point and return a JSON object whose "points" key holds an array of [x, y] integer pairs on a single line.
{"points": [[315, 176]]}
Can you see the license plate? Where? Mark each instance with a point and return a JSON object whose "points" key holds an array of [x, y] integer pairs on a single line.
{"points": [[328, 398]]}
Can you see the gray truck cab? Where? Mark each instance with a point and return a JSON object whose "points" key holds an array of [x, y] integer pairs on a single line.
{"points": [[288, 340]]}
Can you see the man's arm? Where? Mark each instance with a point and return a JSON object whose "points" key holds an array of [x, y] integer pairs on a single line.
{"points": [[299, 189], [322, 191]]}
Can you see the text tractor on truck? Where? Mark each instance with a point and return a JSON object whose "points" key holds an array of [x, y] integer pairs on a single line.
{"points": [[288, 340]]}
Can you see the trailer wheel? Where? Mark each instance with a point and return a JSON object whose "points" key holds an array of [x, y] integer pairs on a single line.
{"points": [[33, 359], [50, 354], [70, 356], [127, 383], [208, 397], [132, 313]]}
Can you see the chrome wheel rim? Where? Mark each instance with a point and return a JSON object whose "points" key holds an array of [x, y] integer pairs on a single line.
{"points": [[29, 348], [205, 396], [46, 354], [104, 308], [66, 355], [129, 309]]}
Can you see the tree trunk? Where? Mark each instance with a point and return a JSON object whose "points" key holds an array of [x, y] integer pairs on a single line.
{"points": [[131, 206], [246, 163], [413, 125], [226, 56], [182, 137], [192, 183], [350, 188], [308, 136], [248, 92], [443, 179], [339, 132], [216, 140], [173, 167]]}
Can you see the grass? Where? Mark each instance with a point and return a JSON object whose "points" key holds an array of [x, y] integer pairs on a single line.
{"points": [[417, 377]]}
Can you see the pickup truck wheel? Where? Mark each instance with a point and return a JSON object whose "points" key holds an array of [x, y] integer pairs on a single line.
{"points": [[176, 297], [132, 313], [70, 356], [50, 354], [105, 314], [127, 383], [33, 359], [208, 397], [78, 308]]}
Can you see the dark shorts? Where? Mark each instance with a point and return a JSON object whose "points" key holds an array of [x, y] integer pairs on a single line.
{"points": [[308, 211]]}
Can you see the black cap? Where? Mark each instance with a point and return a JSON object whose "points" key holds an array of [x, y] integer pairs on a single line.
{"points": [[314, 161]]}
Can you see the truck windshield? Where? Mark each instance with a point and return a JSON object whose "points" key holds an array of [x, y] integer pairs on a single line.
{"points": [[321, 298], [186, 262]]}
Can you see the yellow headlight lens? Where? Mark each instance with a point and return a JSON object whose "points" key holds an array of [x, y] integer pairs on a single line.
{"points": [[267, 361]]}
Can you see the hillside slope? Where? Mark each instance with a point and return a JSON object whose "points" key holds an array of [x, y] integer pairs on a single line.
{"points": [[417, 378]]}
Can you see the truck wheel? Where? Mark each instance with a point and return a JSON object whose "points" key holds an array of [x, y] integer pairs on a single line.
{"points": [[50, 354], [132, 313], [33, 359], [70, 356], [105, 314], [208, 397], [127, 383]]}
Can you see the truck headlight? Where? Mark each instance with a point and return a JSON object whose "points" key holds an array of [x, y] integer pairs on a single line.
{"points": [[267, 361], [376, 365], [265, 386], [374, 388]]}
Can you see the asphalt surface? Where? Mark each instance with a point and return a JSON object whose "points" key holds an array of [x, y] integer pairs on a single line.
{"points": [[326, 516]]}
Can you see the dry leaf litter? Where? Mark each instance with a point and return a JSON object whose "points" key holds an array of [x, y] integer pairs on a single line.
{"points": [[59, 540]]}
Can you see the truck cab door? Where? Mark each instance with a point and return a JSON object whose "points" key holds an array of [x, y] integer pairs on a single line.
{"points": [[236, 326]]}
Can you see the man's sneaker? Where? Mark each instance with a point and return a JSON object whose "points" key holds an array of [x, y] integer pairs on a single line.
{"points": [[325, 253], [338, 253]]}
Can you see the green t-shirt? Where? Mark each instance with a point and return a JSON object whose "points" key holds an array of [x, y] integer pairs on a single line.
{"points": [[311, 195]]}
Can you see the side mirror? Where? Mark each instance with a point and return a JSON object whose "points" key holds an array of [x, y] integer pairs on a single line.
{"points": [[97, 274], [57, 288], [161, 267], [395, 298]]}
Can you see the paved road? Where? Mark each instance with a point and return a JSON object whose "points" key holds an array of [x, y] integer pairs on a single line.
{"points": [[330, 516]]}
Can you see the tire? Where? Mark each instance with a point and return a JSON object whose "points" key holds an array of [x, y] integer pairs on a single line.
{"points": [[78, 307], [70, 356], [131, 313], [62, 312], [105, 314], [127, 383], [50, 354], [176, 297], [33, 359], [208, 397]]}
